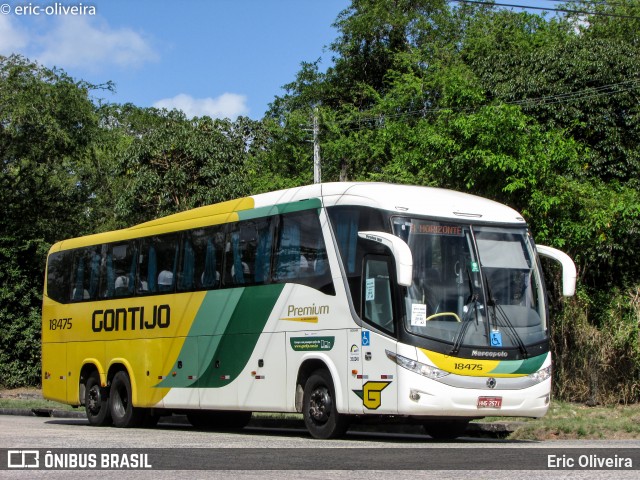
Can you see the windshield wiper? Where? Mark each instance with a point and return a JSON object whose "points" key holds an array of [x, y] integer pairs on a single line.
{"points": [[472, 304], [513, 334]]}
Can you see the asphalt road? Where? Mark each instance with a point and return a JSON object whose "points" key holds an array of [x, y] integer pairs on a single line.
{"points": [[352, 457]]}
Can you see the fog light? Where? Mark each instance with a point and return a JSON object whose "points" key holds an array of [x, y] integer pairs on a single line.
{"points": [[414, 395]]}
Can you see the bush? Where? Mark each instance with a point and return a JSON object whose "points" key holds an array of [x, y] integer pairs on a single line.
{"points": [[598, 363]]}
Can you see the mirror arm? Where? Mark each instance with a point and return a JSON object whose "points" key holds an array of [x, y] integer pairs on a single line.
{"points": [[568, 268], [400, 251]]}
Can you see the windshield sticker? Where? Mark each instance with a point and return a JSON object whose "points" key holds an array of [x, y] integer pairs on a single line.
{"points": [[496, 339], [434, 229], [418, 315], [370, 293], [474, 267]]}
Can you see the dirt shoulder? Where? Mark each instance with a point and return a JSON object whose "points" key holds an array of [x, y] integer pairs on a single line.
{"points": [[22, 393]]}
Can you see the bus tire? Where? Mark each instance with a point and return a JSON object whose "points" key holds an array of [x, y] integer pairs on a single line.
{"points": [[321, 416], [445, 429], [123, 413], [96, 402], [218, 420]]}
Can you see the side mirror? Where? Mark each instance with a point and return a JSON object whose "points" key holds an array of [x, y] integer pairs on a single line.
{"points": [[400, 251], [568, 268]]}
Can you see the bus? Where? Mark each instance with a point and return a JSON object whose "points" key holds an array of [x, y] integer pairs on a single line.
{"points": [[340, 301]]}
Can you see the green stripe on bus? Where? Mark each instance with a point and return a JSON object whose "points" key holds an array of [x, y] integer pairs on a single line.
{"points": [[261, 212], [223, 336], [524, 367]]}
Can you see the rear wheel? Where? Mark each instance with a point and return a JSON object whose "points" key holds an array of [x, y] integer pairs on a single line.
{"points": [[319, 409], [210, 420], [445, 429], [123, 413], [96, 402]]}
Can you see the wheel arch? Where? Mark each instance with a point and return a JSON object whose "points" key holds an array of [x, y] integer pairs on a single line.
{"points": [[309, 365], [89, 366], [121, 365]]}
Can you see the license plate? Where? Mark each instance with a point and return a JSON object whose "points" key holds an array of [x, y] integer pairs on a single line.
{"points": [[489, 402]]}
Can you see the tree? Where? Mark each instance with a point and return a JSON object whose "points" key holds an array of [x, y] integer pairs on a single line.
{"points": [[583, 81], [170, 163], [47, 129], [535, 112]]}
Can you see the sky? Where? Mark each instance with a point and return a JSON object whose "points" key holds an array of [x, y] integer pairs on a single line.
{"points": [[221, 58]]}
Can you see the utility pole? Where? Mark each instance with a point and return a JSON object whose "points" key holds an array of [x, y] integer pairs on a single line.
{"points": [[317, 174]]}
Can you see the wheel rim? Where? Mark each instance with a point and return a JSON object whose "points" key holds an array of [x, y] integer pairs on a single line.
{"points": [[94, 403], [320, 405]]}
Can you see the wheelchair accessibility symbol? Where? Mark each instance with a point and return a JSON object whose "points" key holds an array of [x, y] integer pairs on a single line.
{"points": [[366, 341], [496, 339]]}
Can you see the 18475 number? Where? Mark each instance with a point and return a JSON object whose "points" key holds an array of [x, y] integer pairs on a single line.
{"points": [[468, 366], [60, 323]]}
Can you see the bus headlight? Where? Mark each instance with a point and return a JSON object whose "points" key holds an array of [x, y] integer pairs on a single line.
{"points": [[541, 375], [417, 367]]}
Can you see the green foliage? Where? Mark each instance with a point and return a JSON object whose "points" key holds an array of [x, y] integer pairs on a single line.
{"points": [[538, 113], [585, 84], [47, 128], [598, 363], [173, 164], [287, 159]]}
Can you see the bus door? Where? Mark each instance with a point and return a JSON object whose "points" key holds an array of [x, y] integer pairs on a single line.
{"points": [[379, 387]]}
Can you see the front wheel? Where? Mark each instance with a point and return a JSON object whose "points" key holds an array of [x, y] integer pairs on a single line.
{"points": [[321, 416], [123, 413], [96, 402]]}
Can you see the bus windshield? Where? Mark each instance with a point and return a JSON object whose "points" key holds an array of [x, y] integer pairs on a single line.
{"points": [[474, 286]]}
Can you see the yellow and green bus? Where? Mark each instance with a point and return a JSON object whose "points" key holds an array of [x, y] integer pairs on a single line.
{"points": [[336, 300]]}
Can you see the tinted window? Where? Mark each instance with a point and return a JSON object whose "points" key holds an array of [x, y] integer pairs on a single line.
{"points": [[59, 267], [301, 254], [249, 251], [378, 305], [120, 270], [202, 255], [287, 248]]}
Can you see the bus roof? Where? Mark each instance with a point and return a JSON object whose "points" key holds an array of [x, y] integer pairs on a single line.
{"points": [[406, 199], [403, 199]]}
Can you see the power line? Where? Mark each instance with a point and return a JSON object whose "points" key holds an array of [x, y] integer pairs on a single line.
{"points": [[603, 90], [562, 10], [604, 3]]}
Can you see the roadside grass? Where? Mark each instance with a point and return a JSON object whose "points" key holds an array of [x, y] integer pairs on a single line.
{"points": [[574, 421], [27, 399]]}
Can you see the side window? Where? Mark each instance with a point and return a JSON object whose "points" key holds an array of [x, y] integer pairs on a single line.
{"points": [[346, 222], [301, 254], [377, 295], [202, 255], [249, 252], [86, 273], [59, 268], [158, 264], [118, 279], [186, 277]]}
